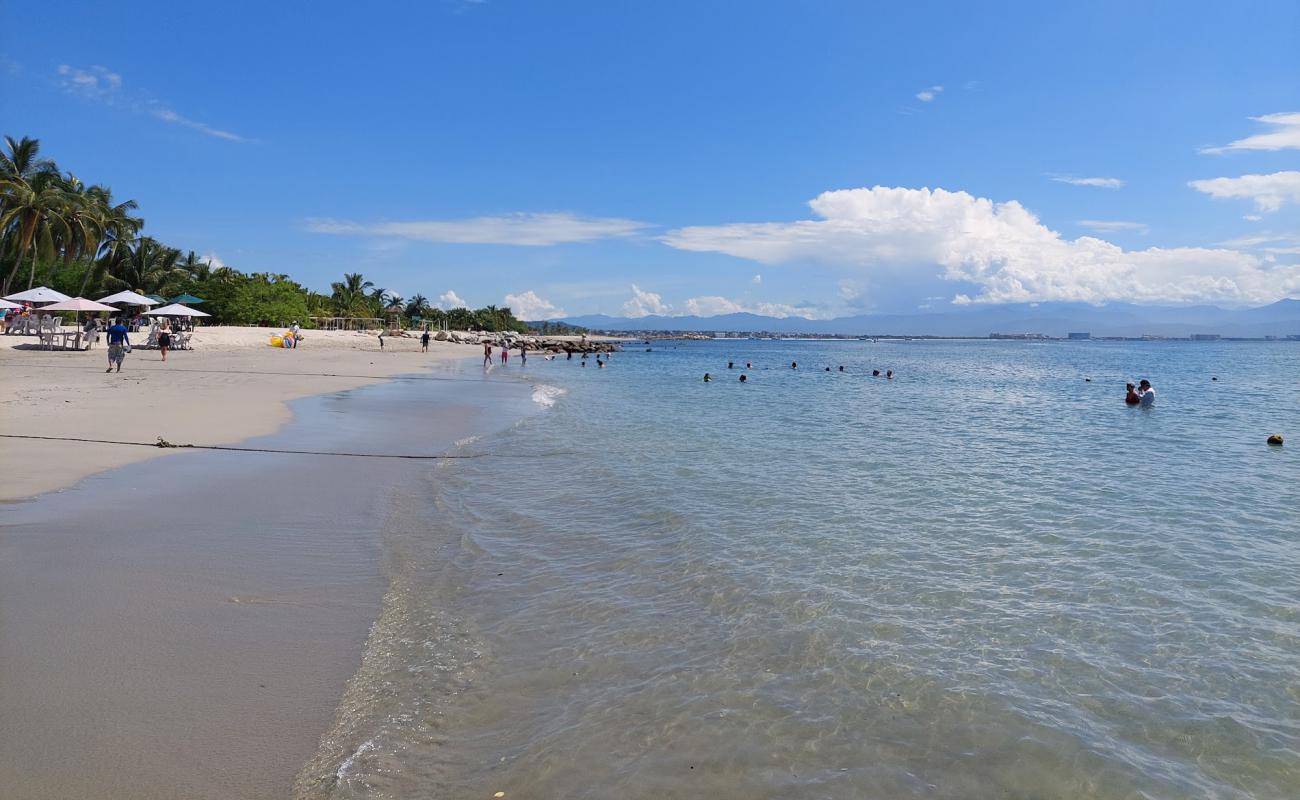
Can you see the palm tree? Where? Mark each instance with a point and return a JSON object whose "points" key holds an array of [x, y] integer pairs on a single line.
{"points": [[146, 268], [35, 213], [350, 294], [418, 306]]}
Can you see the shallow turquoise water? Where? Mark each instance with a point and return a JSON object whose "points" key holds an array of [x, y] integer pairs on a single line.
{"points": [[985, 578]]}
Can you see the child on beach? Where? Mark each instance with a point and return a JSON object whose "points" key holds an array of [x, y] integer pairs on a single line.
{"points": [[505, 354]]}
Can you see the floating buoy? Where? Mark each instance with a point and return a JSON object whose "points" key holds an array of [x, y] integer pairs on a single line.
{"points": [[1275, 440]]}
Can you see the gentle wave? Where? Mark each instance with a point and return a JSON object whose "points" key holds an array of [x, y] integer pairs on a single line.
{"points": [[545, 395]]}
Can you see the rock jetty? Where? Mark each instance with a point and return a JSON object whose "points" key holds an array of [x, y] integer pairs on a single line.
{"points": [[540, 344]]}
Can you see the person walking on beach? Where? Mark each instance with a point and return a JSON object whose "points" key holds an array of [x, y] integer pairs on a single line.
{"points": [[487, 354], [296, 330], [523, 354], [381, 340], [164, 340], [1147, 393], [424, 342], [118, 346]]}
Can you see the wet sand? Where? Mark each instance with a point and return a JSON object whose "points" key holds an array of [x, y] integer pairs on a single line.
{"points": [[184, 627]]}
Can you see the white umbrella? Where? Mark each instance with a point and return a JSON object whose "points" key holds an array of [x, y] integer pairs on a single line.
{"points": [[41, 294], [7, 304], [78, 304], [175, 310], [130, 298]]}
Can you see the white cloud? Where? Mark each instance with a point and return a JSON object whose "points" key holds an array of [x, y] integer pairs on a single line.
{"points": [[1285, 135], [757, 279], [1251, 217], [449, 300], [1002, 249], [643, 304], [97, 82], [1269, 192], [528, 306], [167, 115], [529, 230], [1100, 183], [214, 260], [1111, 225], [102, 85], [713, 305], [926, 95]]}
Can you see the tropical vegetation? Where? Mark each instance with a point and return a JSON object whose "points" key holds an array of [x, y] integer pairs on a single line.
{"points": [[57, 231]]}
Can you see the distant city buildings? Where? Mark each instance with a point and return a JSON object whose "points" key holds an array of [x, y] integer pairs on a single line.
{"points": [[1079, 335], [1018, 336], [1205, 337]]}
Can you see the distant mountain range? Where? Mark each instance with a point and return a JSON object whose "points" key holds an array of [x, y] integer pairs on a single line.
{"points": [[1052, 319]]}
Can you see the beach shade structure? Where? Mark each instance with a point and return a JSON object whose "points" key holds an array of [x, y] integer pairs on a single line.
{"points": [[186, 299], [157, 298], [41, 294], [130, 298], [78, 304], [7, 304], [175, 310]]}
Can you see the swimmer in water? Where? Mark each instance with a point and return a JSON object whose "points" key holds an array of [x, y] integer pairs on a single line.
{"points": [[743, 378], [730, 364], [889, 374], [875, 373], [1147, 393], [707, 377], [828, 369], [1131, 397], [749, 365], [600, 363], [841, 368], [794, 365]]}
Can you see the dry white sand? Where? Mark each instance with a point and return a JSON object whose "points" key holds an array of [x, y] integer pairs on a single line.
{"points": [[233, 385]]}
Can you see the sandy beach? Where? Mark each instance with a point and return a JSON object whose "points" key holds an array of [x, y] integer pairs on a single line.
{"points": [[231, 386], [184, 627]]}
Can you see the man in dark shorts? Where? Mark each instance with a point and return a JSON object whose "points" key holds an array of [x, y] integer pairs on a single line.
{"points": [[118, 345], [424, 342]]}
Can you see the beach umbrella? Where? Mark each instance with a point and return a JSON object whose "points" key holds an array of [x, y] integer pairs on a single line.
{"points": [[176, 310], [157, 298], [7, 304], [130, 298], [78, 304], [41, 294], [187, 299]]}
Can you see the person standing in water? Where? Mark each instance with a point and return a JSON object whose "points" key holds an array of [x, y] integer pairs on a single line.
{"points": [[487, 354], [505, 354], [1147, 393], [1131, 397], [523, 354]]}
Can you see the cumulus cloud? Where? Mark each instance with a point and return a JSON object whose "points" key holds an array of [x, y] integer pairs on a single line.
{"points": [[1002, 249], [757, 279], [1284, 135], [102, 85], [1111, 225], [1251, 217], [449, 300], [643, 304], [1100, 183], [527, 230], [529, 306], [714, 305], [214, 260], [1270, 192], [927, 95]]}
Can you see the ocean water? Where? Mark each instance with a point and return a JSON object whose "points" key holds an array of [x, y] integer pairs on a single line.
{"points": [[987, 577]]}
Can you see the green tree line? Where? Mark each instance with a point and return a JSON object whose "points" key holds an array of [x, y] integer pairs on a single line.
{"points": [[57, 231]]}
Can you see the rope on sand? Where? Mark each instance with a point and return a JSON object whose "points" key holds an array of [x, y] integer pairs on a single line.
{"points": [[163, 443]]}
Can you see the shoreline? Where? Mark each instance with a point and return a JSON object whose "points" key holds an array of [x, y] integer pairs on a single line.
{"points": [[210, 653], [232, 387]]}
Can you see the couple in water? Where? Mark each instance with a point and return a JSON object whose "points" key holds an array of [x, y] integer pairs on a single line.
{"points": [[1143, 395]]}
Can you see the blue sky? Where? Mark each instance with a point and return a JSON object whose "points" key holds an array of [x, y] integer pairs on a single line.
{"points": [[815, 158]]}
